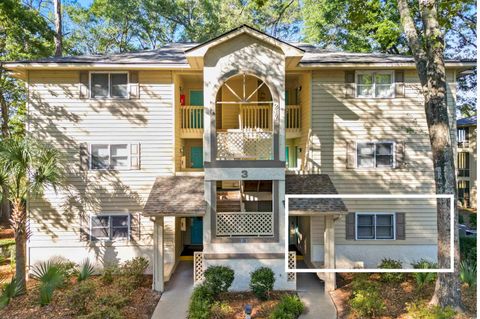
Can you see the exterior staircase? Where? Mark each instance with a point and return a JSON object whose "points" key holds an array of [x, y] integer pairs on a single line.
{"points": [[229, 201]]}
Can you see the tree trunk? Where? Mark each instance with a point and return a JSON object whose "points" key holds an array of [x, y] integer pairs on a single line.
{"points": [[428, 53], [58, 28], [5, 204], [19, 218]]}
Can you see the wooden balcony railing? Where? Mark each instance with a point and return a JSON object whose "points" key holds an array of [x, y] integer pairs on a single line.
{"points": [[245, 224], [191, 121], [255, 117], [244, 145], [293, 121]]}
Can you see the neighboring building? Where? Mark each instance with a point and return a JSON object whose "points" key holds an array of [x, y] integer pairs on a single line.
{"points": [[191, 149], [467, 162]]}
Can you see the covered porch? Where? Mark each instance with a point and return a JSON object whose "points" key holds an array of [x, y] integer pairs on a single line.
{"points": [[176, 205], [301, 212]]}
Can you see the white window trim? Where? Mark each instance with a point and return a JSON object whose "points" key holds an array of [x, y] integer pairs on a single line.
{"points": [[90, 161], [109, 85], [394, 146], [373, 72], [108, 239], [394, 221]]}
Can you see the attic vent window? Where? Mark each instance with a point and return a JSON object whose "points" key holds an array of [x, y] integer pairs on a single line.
{"points": [[109, 85]]}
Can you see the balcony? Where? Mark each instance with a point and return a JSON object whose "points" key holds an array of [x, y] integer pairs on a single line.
{"points": [[191, 121], [240, 224], [293, 120]]}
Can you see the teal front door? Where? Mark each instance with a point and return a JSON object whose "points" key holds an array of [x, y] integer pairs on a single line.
{"points": [[197, 231], [196, 155]]}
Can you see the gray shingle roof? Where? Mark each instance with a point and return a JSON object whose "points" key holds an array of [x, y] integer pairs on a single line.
{"points": [[467, 121], [176, 195], [312, 184], [174, 53], [184, 195]]}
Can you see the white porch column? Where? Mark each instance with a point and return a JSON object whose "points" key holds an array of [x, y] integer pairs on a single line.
{"points": [[158, 255], [329, 258]]}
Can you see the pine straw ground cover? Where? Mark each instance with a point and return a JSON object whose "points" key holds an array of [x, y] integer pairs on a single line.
{"points": [[395, 296], [231, 305], [139, 303]]}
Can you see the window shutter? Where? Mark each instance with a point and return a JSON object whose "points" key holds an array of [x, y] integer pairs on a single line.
{"points": [[350, 226], [84, 157], [134, 85], [135, 156], [349, 84], [400, 226], [399, 84], [84, 224], [84, 85], [135, 234], [400, 154], [351, 154]]}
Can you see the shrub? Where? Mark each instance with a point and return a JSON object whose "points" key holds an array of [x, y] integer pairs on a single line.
{"points": [[218, 279], [388, 263], [362, 281], [10, 291], [200, 303], [134, 270], [468, 272], [473, 220], [80, 295], [109, 273], [423, 278], [104, 313], [461, 219], [67, 267], [51, 276], [367, 302], [420, 310], [113, 300], [468, 248], [85, 271], [221, 310], [261, 282], [290, 307]]}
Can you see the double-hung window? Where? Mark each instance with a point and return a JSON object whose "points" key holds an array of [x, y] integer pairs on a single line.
{"points": [[109, 227], [463, 137], [109, 156], [375, 154], [463, 163], [375, 226], [375, 84], [109, 85]]}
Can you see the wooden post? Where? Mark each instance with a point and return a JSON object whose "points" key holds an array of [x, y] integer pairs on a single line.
{"points": [[158, 255], [329, 258]]}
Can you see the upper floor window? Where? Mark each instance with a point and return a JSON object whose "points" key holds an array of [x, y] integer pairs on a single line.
{"points": [[109, 227], [375, 225], [463, 163], [109, 156], [463, 137], [375, 84], [375, 154], [109, 85]]}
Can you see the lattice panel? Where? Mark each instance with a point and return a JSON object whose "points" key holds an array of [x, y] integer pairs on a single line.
{"points": [[198, 267], [245, 224], [292, 264], [244, 145]]}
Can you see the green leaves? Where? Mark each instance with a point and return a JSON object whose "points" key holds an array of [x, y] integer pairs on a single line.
{"points": [[86, 270], [51, 277], [10, 291]]}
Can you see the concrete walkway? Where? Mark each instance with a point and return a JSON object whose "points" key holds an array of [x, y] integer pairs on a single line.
{"points": [[175, 298], [318, 304]]}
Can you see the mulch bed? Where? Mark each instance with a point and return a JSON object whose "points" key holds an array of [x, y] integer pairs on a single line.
{"points": [[238, 301], [395, 296], [141, 305]]}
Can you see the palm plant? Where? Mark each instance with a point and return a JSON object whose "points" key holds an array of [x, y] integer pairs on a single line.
{"points": [[468, 272], [86, 270], [27, 167], [51, 276], [9, 291], [423, 278]]}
